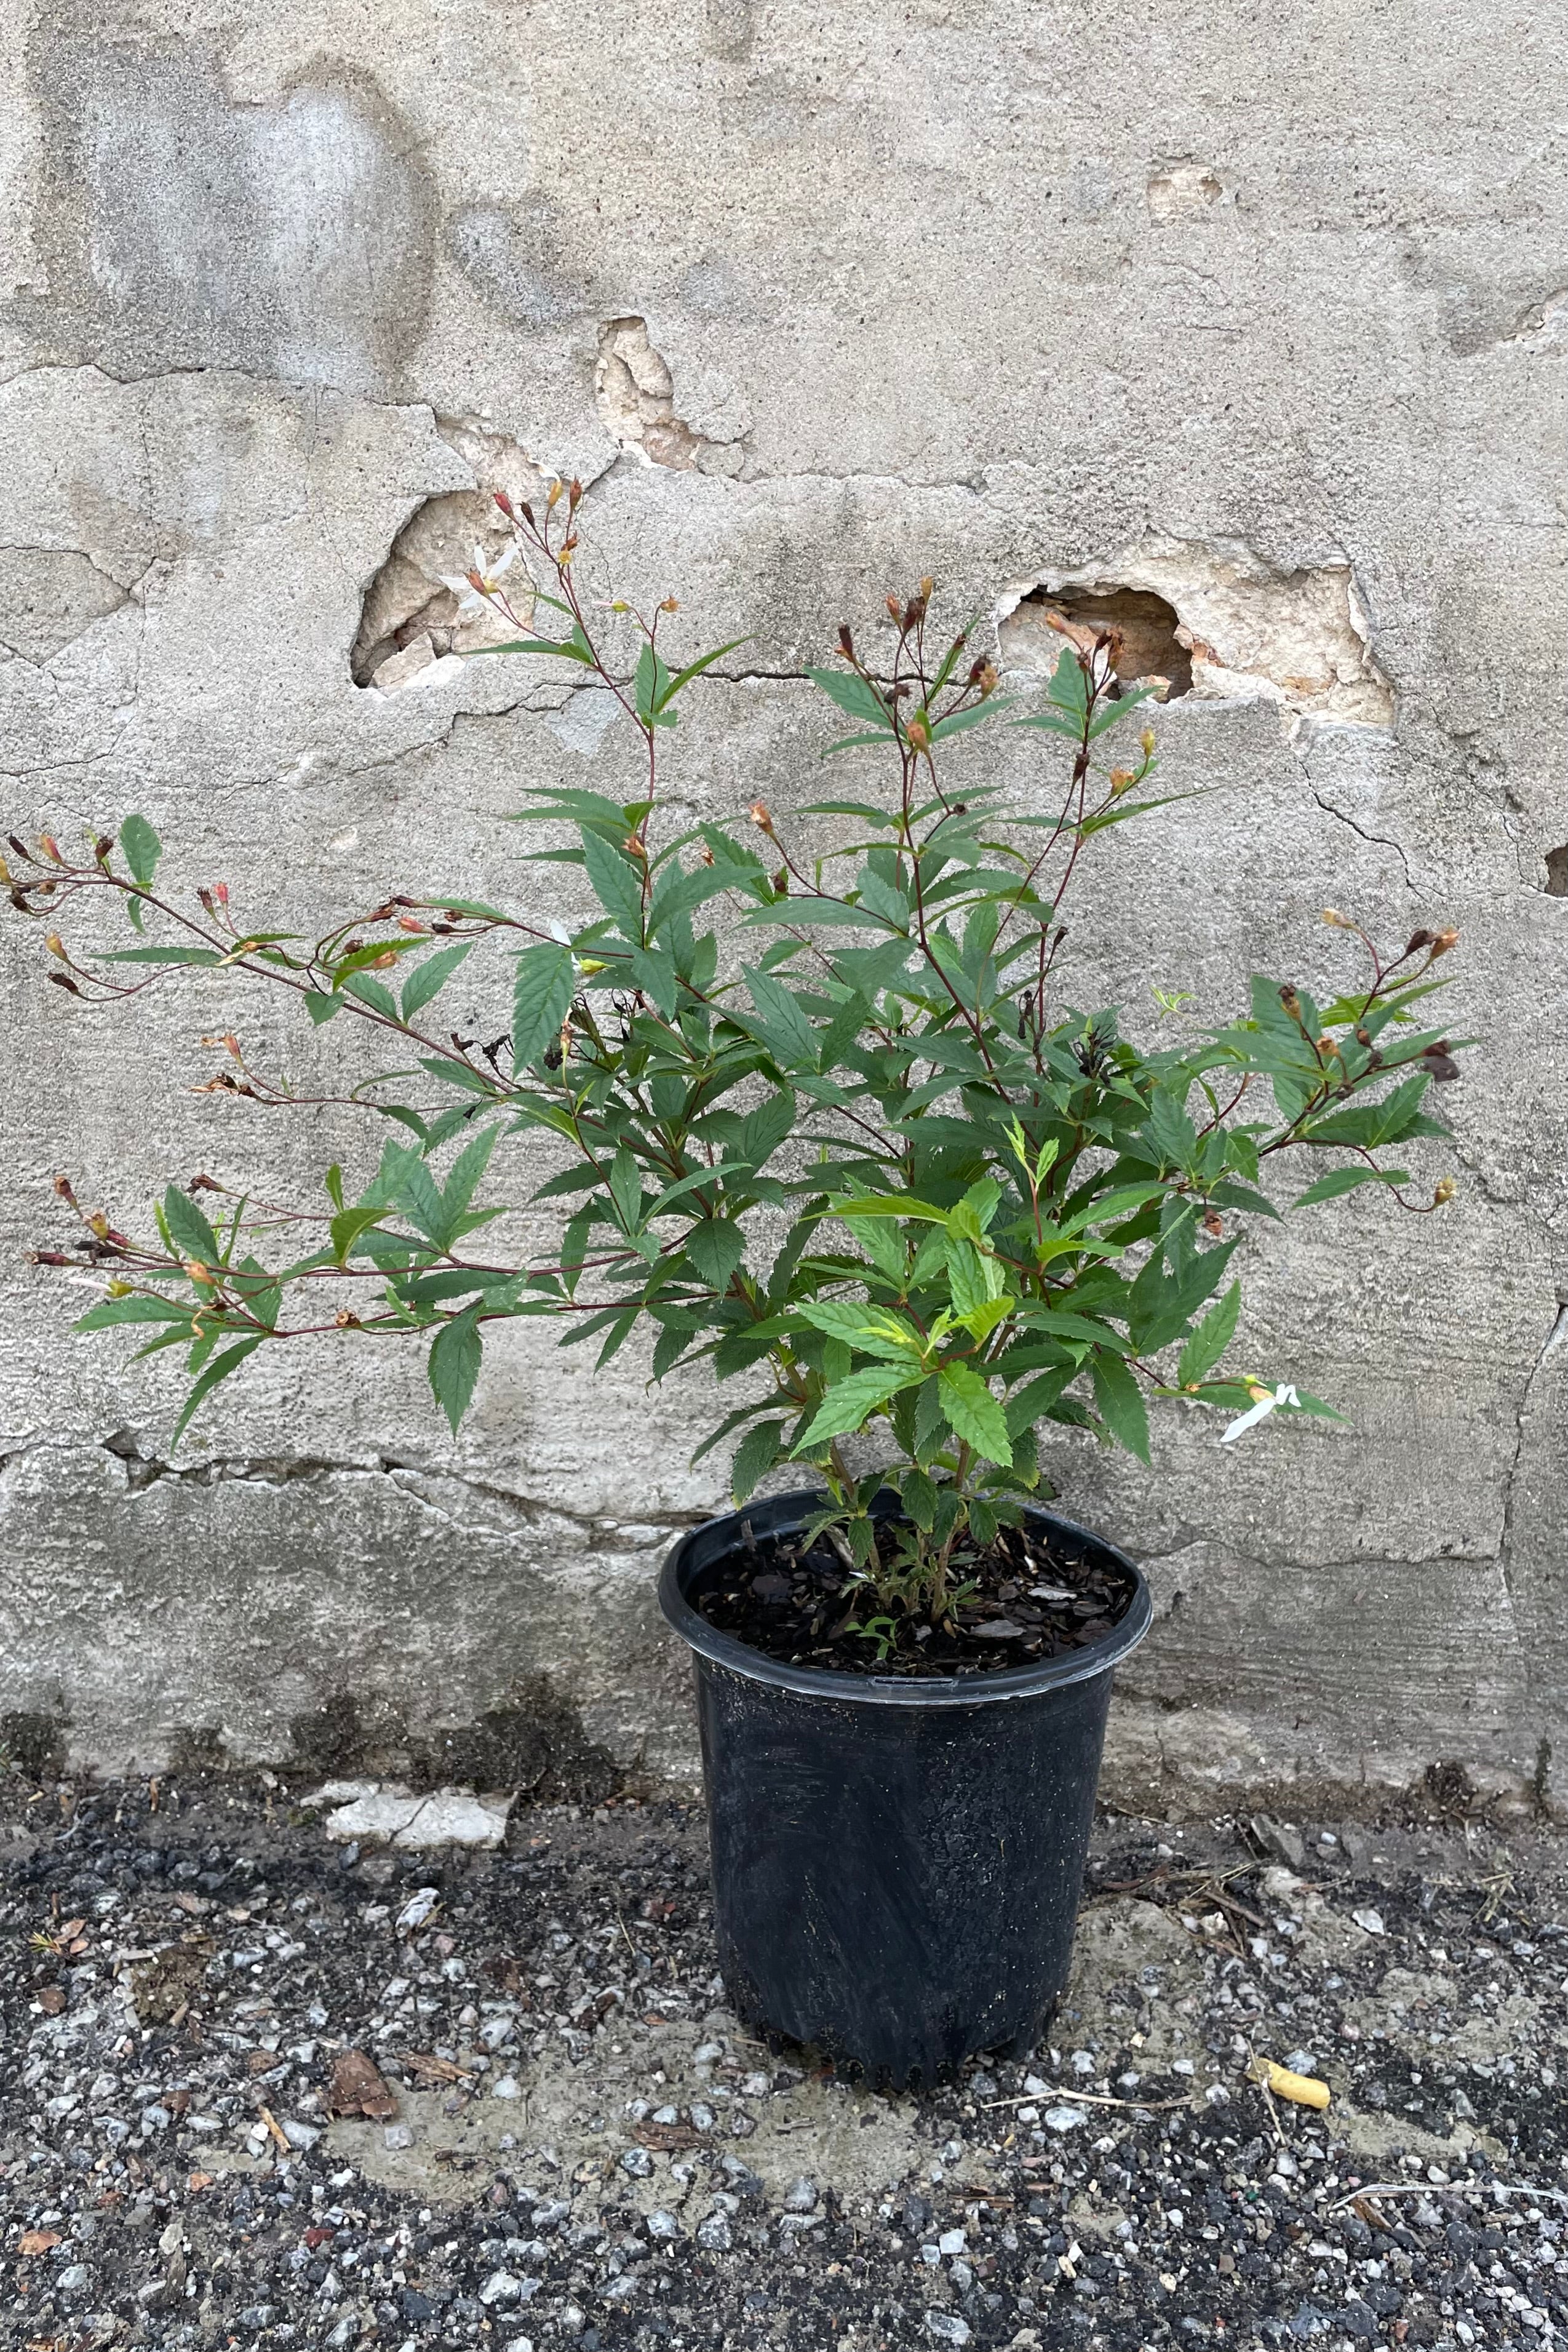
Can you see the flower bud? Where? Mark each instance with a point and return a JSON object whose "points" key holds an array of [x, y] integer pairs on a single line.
{"points": [[63, 1189], [50, 847], [1443, 1192], [574, 494], [196, 1271], [589, 965], [1146, 741], [918, 732], [895, 610], [553, 497], [57, 946], [619, 605], [927, 589], [634, 845], [504, 502], [761, 816], [781, 882], [120, 1290], [1121, 778], [1443, 942], [846, 641], [670, 604], [1335, 920]]}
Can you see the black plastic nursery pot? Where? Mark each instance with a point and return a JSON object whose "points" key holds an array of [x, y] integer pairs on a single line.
{"points": [[896, 1863]]}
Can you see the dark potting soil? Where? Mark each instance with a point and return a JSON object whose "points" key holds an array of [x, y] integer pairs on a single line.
{"points": [[1033, 1598]]}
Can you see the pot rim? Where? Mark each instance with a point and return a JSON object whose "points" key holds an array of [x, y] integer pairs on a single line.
{"points": [[774, 1515]]}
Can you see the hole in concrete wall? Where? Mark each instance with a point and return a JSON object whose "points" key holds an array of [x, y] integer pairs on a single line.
{"points": [[1557, 872], [637, 398], [1147, 624], [1252, 631], [410, 619], [636, 395]]}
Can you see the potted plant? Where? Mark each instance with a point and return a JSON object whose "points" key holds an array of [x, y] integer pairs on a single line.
{"points": [[826, 1131]]}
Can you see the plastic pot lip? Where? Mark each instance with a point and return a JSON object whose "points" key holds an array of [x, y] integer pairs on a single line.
{"points": [[700, 1546]]}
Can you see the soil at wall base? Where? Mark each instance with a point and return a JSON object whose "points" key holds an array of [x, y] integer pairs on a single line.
{"points": [[1027, 1600]]}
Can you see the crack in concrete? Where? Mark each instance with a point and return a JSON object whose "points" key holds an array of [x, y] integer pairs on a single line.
{"points": [[410, 1478], [1555, 1339], [1379, 840]]}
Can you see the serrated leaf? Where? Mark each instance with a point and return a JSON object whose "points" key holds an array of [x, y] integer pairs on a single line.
{"points": [[974, 1414], [139, 1308], [716, 1247], [142, 847], [347, 1227], [850, 1402], [755, 1455], [454, 1363], [541, 998], [1208, 1342], [427, 979], [617, 884], [871, 1329], [1120, 1402], [1348, 1180], [189, 1230]]}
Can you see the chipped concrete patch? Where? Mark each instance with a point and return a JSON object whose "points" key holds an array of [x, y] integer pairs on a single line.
{"points": [[636, 395], [1136, 1971], [571, 2130], [380, 1812], [1298, 639]]}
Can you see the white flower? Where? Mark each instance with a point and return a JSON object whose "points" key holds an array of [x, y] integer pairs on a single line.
{"points": [[1265, 1402], [475, 588]]}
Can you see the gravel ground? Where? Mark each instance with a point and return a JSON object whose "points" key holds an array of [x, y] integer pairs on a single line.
{"points": [[256, 2088]]}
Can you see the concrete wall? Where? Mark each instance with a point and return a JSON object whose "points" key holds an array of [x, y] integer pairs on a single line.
{"points": [[1266, 315]]}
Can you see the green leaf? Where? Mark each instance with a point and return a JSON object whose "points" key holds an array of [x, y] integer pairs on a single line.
{"points": [[626, 1189], [1347, 1180], [458, 1074], [142, 849], [464, 1179], [322, 1009], [218, 1369], [372, 992], [696, 668], [189, 1230], [1121, 1404], [854, 695], [454, 1365], [1208, 1342], [617, 884], [874, 1330], [974, 1414], [716, 1247], [427, 979], [138, 1308], [347, 1228], [755, 1455], [850, 1402], [541, 998], [567, 651], [779, 1022], [208, 956]]}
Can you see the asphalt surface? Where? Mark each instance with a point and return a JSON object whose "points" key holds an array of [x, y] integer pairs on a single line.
{"points": [[259, 2088]]}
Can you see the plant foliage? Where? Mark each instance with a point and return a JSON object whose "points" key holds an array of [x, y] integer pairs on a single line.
{"points": [[824, 1127]]}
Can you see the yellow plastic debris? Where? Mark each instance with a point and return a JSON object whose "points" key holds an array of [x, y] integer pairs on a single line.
{"points": [[1305, 2090]]}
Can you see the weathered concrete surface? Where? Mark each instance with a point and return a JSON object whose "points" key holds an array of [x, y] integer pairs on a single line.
{"points": [[814, 302]]}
